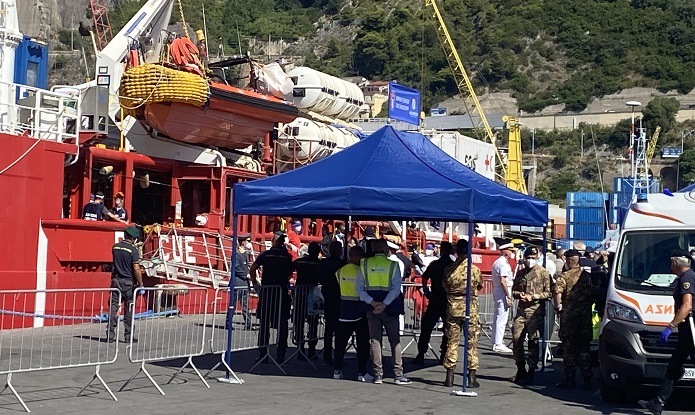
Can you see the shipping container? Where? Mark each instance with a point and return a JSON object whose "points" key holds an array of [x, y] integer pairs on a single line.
{"points": [[477, 155], [589, 231], [625, 185], [586, 215], [586, 199]]}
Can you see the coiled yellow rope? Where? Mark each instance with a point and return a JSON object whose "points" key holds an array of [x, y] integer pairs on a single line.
{"points": [[151, 83]]}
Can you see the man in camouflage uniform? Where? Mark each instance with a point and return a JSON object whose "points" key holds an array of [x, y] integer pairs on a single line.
{"points": [[572, 297], [531, 287], [455, 282]]}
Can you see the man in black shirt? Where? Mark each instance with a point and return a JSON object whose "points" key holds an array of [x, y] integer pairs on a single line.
{"points": [[277, 271], [331, 295], [683, 296], [307, 280], [407, 265], [436, 308], [125, 273]]}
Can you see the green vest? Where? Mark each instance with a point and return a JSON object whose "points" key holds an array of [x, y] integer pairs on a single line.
{"points": [[346, 278]]}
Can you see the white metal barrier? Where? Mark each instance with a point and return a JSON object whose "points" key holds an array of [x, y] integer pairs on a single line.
{"points": [[55, 329], [308, 326], [168, 322], [244, 319], [272, 312], [415, 306]]}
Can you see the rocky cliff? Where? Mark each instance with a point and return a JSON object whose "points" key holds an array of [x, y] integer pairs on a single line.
{"points": [[44, 18]]}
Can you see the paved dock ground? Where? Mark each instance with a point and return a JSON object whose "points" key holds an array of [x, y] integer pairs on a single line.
{"points": [[305, 390]]}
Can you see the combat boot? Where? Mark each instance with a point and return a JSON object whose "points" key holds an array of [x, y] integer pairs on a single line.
{"points": [[567, 383], [449, 382], [655, 406], [419, 360], [520, 376], [472, 381]]}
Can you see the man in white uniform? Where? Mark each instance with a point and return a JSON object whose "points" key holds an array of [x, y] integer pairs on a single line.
{"points": [[502, 280]]}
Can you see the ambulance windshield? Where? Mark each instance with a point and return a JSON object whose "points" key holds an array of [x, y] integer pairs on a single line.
{"points": [[644, 260]]}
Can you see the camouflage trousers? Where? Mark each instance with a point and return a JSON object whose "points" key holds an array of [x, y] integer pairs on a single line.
{"points": [[453, 327], [527, 321], [576, 346]]}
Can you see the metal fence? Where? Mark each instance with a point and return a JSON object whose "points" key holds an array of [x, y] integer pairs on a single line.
{"points": [[55, 329], [308, 326], [415, 307], [168, 322], [272, 314]]}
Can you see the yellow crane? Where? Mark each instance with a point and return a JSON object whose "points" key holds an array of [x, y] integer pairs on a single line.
{"points": [[512, 172], [651, 147]]}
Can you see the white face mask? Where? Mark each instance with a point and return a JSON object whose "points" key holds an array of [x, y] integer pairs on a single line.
{"points": [[297, 229], [531, 262], [429, 252], [248, 246]]}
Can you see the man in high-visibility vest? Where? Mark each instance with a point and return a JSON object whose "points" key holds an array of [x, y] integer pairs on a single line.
{"points": [[352, 319], [378, 284]]}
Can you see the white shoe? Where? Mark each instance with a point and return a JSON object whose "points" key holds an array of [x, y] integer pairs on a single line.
{"points": [[365, 378], [501, 348], [337, 374]]}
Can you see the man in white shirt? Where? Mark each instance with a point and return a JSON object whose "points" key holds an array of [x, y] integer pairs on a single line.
{"points": [[502, 280]]}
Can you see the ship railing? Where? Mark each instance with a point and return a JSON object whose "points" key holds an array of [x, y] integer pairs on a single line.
{"points": [[40, 114], [55, 329], [176, 257], [172, 323]]}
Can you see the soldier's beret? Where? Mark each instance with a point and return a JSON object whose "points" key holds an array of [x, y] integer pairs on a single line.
{"points": [[572, 252]]}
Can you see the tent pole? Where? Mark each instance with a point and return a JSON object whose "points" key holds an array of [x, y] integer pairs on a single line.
{"points": [[348, 235], [547, 328], [451, 232], [466, 320], [232, 302]]}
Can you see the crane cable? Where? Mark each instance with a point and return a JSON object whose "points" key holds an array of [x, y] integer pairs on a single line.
{"points": [[183, 19]]}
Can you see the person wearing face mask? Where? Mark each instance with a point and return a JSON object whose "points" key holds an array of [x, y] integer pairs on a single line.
{"points": [[502, 281], [531, 287], [573, 301], [241, 277], [429, 256], [293, 242]]}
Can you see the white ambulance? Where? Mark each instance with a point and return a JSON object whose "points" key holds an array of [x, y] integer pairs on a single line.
{"points": [[639, 302]]}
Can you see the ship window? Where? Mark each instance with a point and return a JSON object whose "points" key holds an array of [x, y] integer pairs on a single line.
{"points": [[32, 74], [151, 190]]}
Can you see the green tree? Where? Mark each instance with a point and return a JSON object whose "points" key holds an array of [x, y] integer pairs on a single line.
{"points": [[661, 111], [687, 167]]}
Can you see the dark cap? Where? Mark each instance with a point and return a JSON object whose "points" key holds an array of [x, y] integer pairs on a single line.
{"points": [[132, 231], [531, 250], [572, 252], [369, 232], [242, 237], [680, 253]]}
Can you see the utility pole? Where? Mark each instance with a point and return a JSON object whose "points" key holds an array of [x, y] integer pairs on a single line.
{"points": [[533, 143], [582, 143]]}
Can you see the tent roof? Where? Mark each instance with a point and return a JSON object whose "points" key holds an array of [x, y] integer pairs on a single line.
{"points": [[389, 175]]}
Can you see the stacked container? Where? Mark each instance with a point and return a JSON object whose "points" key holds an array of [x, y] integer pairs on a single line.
{"points": [[586, 219], [622, 196]]}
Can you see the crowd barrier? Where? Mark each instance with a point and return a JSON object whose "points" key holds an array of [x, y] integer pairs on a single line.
{"points": [[272, 315], [55, 329], [308, 326], [168, 322], [242, 318], [415, 306]]}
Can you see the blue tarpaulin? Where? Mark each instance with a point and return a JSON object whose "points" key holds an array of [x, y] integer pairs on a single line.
{"points": [[389, 175]]}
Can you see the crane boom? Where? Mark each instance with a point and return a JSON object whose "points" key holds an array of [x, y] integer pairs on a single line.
{"points": [[102, 26], [651, 147], [463, 81]]}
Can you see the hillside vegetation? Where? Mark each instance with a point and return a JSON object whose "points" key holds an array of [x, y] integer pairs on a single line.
{"points": [[545, 51]]}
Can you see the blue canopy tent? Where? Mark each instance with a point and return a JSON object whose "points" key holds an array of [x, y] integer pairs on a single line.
{"points": [[389, 175]]}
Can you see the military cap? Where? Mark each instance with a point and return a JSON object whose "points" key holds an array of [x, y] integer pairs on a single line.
{"points": [[531, 250], [572, 252], [680, 253]]}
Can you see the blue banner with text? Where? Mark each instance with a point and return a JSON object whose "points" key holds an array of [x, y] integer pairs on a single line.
{"points": [[404, 103]]}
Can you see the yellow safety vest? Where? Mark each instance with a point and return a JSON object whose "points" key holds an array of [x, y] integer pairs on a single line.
{"points": [[346, 278], [377, 272]]}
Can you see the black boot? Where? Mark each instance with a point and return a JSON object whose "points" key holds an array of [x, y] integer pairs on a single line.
{"points": [[586, 385], [567, 383], [419, 360], [472, 381], [520, 376], [449, 382], [655, 406]]}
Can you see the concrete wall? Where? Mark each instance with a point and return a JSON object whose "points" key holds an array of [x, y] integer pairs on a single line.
{"points": [[571, 121]]}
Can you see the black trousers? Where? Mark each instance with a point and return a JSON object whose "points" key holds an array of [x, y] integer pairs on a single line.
{"points": [[331, 315], [343, 333], [684, 349], [125, 286], [273, 312], [436, 309], [242, 294]]}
